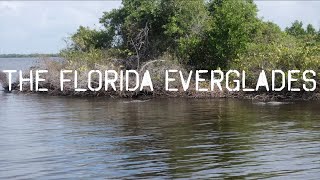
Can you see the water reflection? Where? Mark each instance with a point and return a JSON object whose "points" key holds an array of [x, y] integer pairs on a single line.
{"points": [[56, 137]]}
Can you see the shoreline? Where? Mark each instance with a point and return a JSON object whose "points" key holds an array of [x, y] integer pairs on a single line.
{"points": [[159, 92], [257, 96]]}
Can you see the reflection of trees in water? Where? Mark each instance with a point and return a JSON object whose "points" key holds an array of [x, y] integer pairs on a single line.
{"points": [[206, 140], [192, 135], [180, 138]]}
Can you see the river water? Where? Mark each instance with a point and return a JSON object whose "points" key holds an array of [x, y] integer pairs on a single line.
{"points": [[44, 137]]}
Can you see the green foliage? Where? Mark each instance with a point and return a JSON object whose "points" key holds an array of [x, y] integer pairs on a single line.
{"points": [[267, 33], [308, 35], [86, 39], [296, 29], [294, 49], [286, 53], [201, 34], [134, 17], [234, 24], [188, 27], [310, 30]]}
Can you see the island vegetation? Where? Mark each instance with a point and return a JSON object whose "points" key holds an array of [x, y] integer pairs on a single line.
{"points": [[187, 35]]}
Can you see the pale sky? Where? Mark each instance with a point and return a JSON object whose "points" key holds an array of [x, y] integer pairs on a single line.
{"points": [[40, 26]]}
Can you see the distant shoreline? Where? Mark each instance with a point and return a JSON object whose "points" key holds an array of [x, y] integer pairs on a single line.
{"points": [[27, 55]]}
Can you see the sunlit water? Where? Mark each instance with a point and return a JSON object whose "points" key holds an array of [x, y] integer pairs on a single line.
{"points": [[57, 137]]}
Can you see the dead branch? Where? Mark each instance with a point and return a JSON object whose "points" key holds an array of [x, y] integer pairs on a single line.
{"points": [[140, 43]]}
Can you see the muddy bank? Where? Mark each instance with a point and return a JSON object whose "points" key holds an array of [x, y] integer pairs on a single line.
{"points": [[157, 93]]}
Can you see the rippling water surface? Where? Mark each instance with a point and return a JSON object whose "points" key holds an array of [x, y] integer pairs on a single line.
{"points": [[58, 137]]}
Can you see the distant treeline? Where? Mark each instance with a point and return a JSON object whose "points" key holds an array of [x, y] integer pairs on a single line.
{"points": [[27, 55]]}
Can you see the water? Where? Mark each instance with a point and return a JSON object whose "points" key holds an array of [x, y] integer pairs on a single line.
{"points": [[17, 63], [45, 137]]}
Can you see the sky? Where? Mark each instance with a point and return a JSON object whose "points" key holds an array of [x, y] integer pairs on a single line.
{"points": [[41, 27]]}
